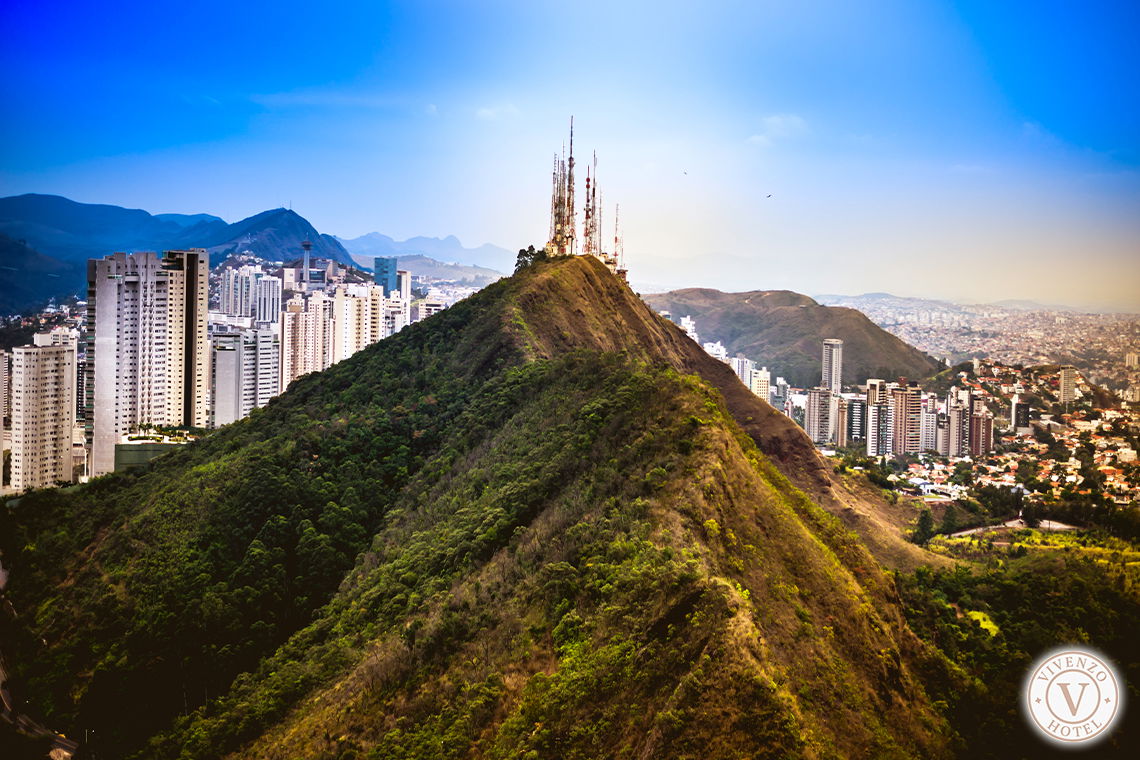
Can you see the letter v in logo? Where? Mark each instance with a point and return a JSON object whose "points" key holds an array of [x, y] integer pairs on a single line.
{"points": [[1069, 698]]}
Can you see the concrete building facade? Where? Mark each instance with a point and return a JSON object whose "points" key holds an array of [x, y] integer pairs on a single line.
{"points": [[832, 375], [43, 415], [245, 373], [148, 358]]}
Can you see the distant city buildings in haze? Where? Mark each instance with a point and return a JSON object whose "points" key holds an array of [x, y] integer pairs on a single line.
{"points": [[888, 419]]}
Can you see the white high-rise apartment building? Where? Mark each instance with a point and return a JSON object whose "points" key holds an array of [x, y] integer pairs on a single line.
{"points": [[690, 328], [318, 330], [832, 375], [267, 300], [742, 367], [236, 291], [358, 313], [906, 408], [717, 351], [928, 425], [148, 357], [820, 415], [306, 336], [760, 383], [245, 371], [248, 291], [5, 385], [1068, 384], [397, 315], [880, 424], [43, 415]]}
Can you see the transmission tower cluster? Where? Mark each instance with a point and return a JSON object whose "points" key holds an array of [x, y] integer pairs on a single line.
{"points": [[564, 215]]}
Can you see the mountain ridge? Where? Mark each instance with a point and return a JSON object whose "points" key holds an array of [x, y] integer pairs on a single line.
{"points": [[69, 232], [556, 524], [784, 331], [446, 249], [28, 278]]}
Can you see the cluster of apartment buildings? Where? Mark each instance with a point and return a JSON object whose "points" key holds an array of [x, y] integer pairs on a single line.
{"points": [[889, 418], [895, 418], [151, 357]]}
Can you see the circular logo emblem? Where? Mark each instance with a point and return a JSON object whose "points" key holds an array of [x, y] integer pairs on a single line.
{"points": [[1073, 696]]}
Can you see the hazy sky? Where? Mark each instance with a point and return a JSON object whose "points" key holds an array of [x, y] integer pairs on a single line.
{"points": [[973, 150]]}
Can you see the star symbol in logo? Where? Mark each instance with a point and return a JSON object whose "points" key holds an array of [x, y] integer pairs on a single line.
{"points": [[1038, 700], [1107, 700]]}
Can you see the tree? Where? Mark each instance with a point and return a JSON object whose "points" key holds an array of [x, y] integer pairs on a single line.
{"points": [[963, 474], [528, 256], [925, 528], [949, 520]]}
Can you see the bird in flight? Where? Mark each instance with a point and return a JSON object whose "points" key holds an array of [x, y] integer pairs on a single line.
{"points": [[769, 195]]}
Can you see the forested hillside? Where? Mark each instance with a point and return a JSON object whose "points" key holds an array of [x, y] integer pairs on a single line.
{"points": [[539, 524]]}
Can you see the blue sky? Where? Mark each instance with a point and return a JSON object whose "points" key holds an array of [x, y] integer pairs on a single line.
{"points": [[972, 150]]}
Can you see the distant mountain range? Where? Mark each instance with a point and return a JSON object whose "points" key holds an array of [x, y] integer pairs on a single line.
{"points": [[447, 249], [784, 330], [48, 239], [424, 266], [29, 278], [71, 231]]}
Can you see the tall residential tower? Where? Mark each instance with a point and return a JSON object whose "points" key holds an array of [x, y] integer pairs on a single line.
{"points": [[148, 355], [832, 365]]}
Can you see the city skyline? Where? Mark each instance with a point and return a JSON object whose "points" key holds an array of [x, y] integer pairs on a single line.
{"points": [[957, 143]]}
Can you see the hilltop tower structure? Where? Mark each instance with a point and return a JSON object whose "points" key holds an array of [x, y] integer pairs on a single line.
{"points": [[563, 216], [563, 239]]}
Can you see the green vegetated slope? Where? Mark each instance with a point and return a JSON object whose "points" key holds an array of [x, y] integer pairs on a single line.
{"points": [[783, 330], [508, 510], [540, 524], [995, 618]]}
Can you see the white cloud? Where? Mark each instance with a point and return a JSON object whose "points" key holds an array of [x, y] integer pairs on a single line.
{"points": [[784, 125], [778, 127], [494, 113]]}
